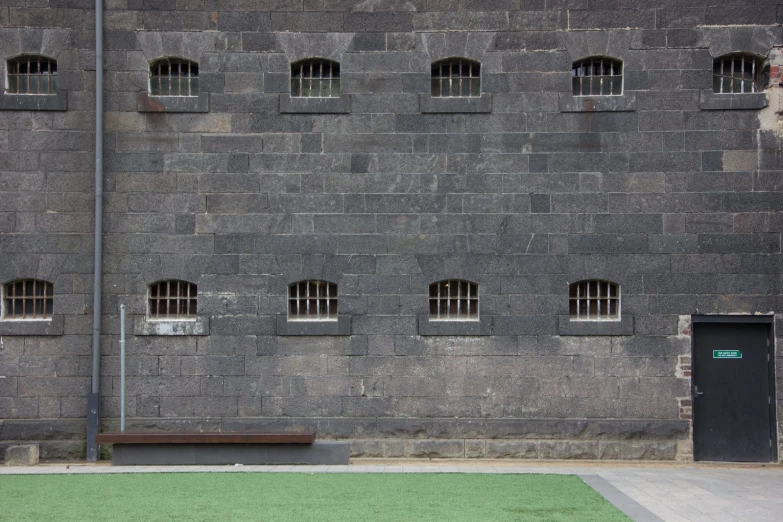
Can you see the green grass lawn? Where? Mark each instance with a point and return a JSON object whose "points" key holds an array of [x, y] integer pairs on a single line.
{"points": [[360, 497]]}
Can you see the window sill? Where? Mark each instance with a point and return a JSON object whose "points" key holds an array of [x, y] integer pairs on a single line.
{"points": [[34, 102], [709, 101], [53, 326], [147, 103], [298, 105], [467, 328], [568, 326], [619, 103], [469, 104], [342, 326], [144, 326]]}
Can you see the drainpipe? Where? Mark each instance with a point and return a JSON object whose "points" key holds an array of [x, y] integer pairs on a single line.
{"points": [[94, 398]]}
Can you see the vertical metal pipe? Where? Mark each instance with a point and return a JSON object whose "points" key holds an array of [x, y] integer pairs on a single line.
{"points": [[93, 400], [122, 367]]}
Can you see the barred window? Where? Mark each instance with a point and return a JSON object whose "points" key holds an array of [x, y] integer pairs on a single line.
{"points": [[597, 76], [594, 299], [172, 300], [312, 300], [737, 73], [454, 299], [31, 75], [456, 77], [315, 78], [173, 77], [28, 299]]}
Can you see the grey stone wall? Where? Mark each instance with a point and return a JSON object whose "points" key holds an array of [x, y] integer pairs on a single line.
{"points": [[675, 198]]}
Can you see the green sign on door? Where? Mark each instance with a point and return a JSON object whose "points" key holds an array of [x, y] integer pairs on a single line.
{"points": [[726, 354]]}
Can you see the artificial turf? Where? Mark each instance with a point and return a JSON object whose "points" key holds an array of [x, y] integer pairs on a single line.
{"points": [[276, 497]]}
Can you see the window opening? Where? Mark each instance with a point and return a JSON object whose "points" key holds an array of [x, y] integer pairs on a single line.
{"points": [[31, 75], [173, 300], [312, 300], [597, 76], [315, 79], [28, 299], [594, 300], [737, 73], [454, 299], [456, 77], [174, 77]]}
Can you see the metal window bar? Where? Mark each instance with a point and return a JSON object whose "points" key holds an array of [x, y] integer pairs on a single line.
{"points": [[315, 79], [738, 73], [173, 300], [32, 75], [594, 300], [597, 76], [453, 299], [172, 77], [312, 300], [28, 299], [456, 78]]}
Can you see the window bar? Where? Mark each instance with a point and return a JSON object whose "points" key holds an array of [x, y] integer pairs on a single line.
{"points": [[187, 299], [310, 90], [600, 285], [43, 300], [601, 78], [330, 298], [459, 283], [307, 294], [587, 302], [34, 298], [12, 299], [161, 302], [443, 92], [438, 285], [461, 80], [321, 83]]}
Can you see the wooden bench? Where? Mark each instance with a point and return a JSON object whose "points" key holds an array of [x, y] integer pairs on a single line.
{"points": [[214, 448], [163, 437]]}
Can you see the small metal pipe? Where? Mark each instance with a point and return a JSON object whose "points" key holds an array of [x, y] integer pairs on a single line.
{"points": [[122, 367], [93, 400]]}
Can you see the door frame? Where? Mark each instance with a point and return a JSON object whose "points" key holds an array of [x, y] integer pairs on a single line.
{"points": [[741, 319]]}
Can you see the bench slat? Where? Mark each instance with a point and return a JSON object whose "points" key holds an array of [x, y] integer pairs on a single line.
{"points": [[204, 438]]}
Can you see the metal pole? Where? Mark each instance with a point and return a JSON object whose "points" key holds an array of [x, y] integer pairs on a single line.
{"points": [[122, 367], [94, 398]]}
